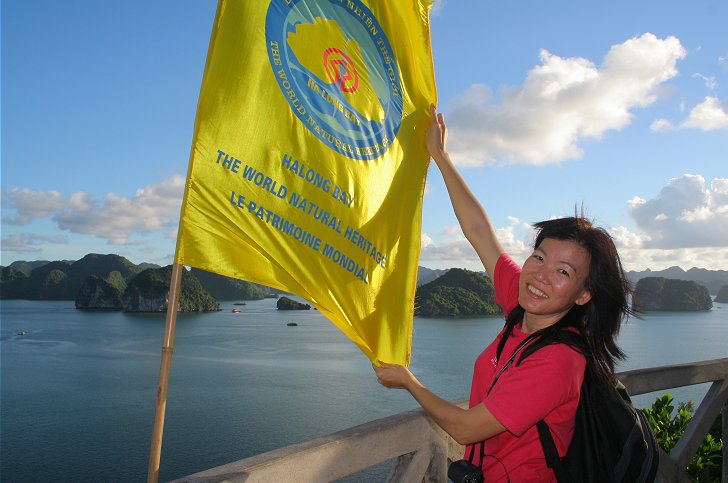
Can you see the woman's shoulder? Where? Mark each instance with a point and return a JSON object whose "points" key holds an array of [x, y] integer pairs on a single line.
{"points": [[558, 354]]}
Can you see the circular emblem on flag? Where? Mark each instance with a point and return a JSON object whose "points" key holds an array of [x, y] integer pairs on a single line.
{"points": [[336, 69]]}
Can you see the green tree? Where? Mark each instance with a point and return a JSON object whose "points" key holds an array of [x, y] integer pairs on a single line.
{"points": [[707, 463]]}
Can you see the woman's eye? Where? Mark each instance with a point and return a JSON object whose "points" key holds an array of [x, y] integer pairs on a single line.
{"points": [[564, 272]]}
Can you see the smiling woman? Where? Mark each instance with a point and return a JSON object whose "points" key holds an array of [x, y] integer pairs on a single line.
{"points": [[573, 281]]}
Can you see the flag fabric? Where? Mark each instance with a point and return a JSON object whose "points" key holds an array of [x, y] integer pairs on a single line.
{"points": [[308, 159]]}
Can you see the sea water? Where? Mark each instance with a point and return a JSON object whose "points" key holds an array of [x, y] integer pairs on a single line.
{"points": [[78, 388]]}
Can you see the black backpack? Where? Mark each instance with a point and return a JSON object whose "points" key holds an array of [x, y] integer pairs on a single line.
{"points": [[613, 441]]}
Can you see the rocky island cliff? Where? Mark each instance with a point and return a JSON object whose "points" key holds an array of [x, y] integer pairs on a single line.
{"points": [[659, 293], [457, 293]]}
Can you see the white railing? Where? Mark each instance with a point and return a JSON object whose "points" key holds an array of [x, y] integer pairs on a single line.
{"points": [[421, 450]]}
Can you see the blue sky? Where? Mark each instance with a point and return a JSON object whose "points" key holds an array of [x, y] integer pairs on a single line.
{"points": [[621, 107]]}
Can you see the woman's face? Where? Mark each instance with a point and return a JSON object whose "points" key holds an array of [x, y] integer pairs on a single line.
{"points": [[553, 279]]}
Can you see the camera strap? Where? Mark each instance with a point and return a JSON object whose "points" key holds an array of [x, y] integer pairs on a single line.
{"points": [[483, 456], [513, 357], [472, 452]]}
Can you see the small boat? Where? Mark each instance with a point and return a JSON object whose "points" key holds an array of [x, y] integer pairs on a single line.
{"points": [[239, 303], [22, 333], [292, 324], [236, 310]]}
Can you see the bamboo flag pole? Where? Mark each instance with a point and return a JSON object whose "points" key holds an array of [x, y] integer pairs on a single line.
{"points": [[167, 347]]}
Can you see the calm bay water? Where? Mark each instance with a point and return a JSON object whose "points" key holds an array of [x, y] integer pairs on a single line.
{"points": [[77, 391]]}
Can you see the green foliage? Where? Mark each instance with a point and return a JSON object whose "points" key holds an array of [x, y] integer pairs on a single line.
{"points": [[459, 292], [10, 274], [63, 280], [12, 282], [116, 279], [193, 297], [54, 285], [707, 463], [27, 267], [48, 282], [153, 284]]}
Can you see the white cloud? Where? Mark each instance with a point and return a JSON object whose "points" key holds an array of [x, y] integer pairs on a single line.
{"points": [[562, 101], [30, 204], [685, 214], [636, 201], [625, 239], [711, 82], [29, 243], [115, 218], [707, 116], [455, 250], [662, 125], [637, 258]]}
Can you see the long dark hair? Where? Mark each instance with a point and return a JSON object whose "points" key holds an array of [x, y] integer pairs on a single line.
{"points": [[600, 319]]}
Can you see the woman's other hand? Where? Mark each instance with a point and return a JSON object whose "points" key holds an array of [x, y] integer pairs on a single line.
{"points": [[394, 376]]}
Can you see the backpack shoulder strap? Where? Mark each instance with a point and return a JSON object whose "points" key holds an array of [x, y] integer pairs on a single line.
{"points": [[572, 339], [553, 460]]}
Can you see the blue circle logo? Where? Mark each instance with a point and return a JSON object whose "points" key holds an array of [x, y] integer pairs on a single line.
{"points": [[335, 67]]}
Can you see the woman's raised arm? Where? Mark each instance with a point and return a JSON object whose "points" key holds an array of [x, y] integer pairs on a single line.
{"points": [[473, 219]]}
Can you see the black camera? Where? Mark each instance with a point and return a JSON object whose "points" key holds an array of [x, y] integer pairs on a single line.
{"points": [[463, 471]]}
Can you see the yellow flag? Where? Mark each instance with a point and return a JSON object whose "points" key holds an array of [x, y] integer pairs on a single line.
{"points": [[308, 159]]}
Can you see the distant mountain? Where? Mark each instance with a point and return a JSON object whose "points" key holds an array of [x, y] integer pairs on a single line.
{"points": [[713, 280], [226, 288], [458, 292], [62, 280], [98, 281], [48, 282], [426, 275], [27, 267]]}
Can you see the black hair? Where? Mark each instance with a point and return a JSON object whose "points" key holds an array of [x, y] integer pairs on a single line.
{"points": [[600, 319]]}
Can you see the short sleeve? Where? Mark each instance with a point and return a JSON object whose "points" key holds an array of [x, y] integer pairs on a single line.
{"points": [[505, 280]]}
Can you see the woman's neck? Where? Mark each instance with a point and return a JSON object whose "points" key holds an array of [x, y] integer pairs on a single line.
{"points": [[533, 323]]}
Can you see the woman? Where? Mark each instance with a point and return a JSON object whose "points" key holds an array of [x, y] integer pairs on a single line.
{"points": [[573, 281]]}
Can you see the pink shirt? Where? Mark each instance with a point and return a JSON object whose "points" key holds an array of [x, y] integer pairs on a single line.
{"points": [[544, 386]]}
